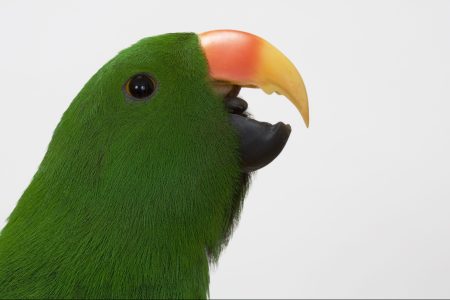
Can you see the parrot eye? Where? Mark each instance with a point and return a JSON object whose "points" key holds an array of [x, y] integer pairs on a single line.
{"points": [[140, 87]]}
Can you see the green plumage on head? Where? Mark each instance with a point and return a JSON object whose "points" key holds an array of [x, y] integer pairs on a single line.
{"points": [[133, 199]]}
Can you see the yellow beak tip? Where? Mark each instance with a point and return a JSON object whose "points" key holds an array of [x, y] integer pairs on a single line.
{"points": [[306, 119]]}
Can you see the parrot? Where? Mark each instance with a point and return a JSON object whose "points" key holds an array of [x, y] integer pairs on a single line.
{"points": [[145, 175]]}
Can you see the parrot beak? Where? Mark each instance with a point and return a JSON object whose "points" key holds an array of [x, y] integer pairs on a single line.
{"points": [[239, 59], [247, 60]]}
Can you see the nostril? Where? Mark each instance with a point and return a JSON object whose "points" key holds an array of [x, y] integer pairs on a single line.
{"points": [[236, 105]]}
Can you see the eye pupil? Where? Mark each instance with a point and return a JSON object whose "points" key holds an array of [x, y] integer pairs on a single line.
{"points": [[140, 86]]}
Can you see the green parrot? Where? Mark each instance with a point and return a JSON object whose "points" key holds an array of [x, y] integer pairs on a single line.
{"points": [[145, 175]]}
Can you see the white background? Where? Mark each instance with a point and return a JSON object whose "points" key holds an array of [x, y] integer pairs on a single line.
{"points": [[356, 206]]}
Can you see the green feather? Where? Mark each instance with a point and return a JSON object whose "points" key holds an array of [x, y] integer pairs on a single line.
{"points": [[132, 199]]}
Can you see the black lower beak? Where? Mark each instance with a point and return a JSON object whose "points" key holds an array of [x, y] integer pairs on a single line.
{"points": [[260, 142]]}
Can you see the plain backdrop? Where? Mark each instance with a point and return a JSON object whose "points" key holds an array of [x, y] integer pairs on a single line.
{"points": [[358, 205]]}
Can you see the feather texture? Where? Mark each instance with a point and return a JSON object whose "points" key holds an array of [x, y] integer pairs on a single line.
{"points": [[132, 200]]}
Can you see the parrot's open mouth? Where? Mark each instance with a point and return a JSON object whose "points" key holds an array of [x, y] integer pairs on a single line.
{"points": [[260, 142], [238, 59]]}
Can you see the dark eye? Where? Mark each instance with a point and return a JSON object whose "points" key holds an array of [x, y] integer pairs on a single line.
{"points": [[140, 87]]}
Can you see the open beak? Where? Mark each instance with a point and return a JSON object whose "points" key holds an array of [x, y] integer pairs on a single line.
{"points": [[239, 59]]}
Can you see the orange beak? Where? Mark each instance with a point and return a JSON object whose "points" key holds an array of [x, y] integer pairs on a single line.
{"points": [[247, 60]]}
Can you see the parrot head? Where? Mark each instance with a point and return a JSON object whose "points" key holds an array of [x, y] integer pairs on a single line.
{"points": [[163, 120], [166, 85], [146, 172]]}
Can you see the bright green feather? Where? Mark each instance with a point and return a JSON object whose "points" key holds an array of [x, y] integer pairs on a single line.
{"points": [[132, 200]]}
